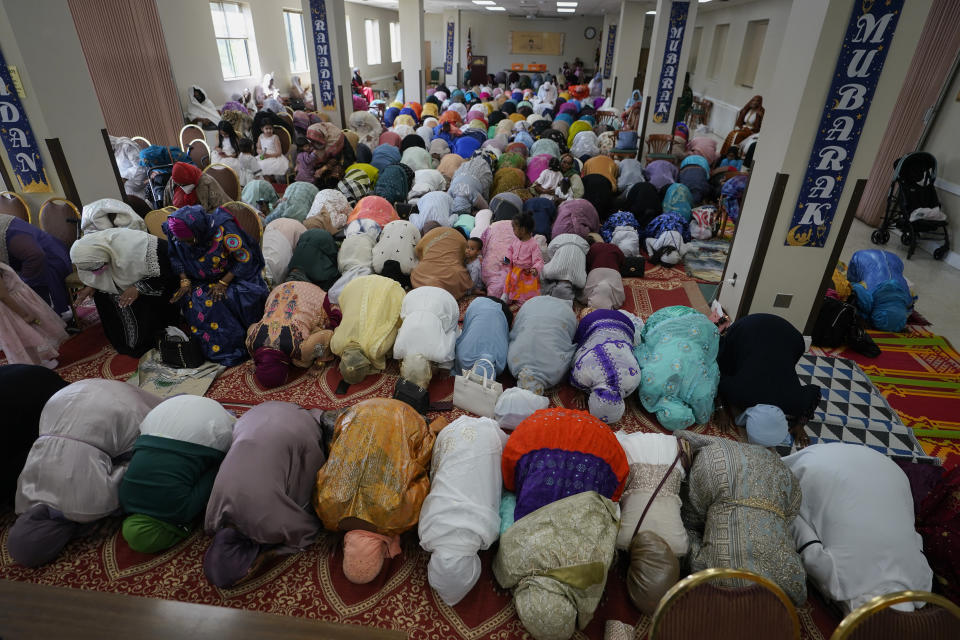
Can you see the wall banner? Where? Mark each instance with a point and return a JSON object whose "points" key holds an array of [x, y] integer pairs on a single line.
{"points": [[862, 56], [671, 57], [321, 43], [448, 58], [18, 138], [608, 58]]}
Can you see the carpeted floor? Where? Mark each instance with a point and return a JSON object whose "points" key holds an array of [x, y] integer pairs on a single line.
{"points": [[311, 584]]}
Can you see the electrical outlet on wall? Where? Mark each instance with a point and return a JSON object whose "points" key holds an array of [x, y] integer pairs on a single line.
{"points": [[783, 300]]}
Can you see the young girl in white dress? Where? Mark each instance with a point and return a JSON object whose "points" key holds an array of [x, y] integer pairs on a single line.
{"points": [[272, 161]]}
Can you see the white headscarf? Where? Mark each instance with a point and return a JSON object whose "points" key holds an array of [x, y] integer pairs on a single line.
{"points": [[193, 419], [334, 204], [114, 259], [429, 328], [205, 109], [96, 216]]}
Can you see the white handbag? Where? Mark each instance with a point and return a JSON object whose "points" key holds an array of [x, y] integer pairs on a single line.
{"points": [[476, 393]]}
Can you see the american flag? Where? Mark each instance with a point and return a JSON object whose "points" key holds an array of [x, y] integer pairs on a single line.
{"points": [[469, 50]]}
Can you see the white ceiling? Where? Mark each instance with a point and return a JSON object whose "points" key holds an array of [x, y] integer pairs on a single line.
{"points": [[541, 8]]}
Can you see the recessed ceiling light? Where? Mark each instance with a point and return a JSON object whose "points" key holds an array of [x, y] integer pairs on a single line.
{"points": [[651, 13], [566, 4], [483, 2], [566, 10], [495, 9], [703, 1]]}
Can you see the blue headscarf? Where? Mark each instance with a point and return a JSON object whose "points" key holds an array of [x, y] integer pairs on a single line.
{"points": [[619, 219], [390, 115], [699, 161], [407, 111], [209, 230], [385, 155], [525, 138], [678, 200], [544, 214], [485, 335], [464, 146]]}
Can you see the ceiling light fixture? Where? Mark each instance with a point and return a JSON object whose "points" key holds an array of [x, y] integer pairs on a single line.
{"points": [[651, 13], [483, 2], [495, 9], [567, 4], [566, 10], [703, 1]]}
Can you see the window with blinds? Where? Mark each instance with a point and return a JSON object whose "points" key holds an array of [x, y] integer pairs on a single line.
{"points": [[750, 55]]}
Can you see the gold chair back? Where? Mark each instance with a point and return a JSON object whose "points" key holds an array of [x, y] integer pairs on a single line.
{"points": [[248, 218], [189, 133], [284, 139], [142, 142], [226, 177], [61, 219], [287, 117], [875, 620], [154, 221], [694, 608], [13, 204], [199, 153]]}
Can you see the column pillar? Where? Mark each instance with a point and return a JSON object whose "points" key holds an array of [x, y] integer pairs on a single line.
{"points": [[330, 71], [450, 79], [626, 58], [606, 70], [667, 64], [821, 131], [411, 49]]}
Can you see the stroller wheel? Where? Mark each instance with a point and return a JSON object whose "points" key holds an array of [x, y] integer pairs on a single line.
{"points": [[880, 236], [940, 252], [906, 238]]}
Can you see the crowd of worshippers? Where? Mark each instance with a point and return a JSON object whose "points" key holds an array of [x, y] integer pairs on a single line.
{"points": [[508, 198]]}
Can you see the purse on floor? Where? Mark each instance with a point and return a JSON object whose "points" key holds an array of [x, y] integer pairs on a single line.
{"points": [[413, 395], [633, 267], [476, 393], [180, 354]]}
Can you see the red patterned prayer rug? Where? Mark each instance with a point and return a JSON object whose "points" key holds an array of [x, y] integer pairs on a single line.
{"points": [[311, 584]]}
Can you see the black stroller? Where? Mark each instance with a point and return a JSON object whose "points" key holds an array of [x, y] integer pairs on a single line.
{"points": [[911, 189]]}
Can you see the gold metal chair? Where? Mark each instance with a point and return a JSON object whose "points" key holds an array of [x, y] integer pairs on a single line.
{"points": [[286, 117], [660, 147], [189, 133], [142, 142], [285, 141], [248, 218], [226, 177], [13, 204], [154, 221], [199, 153], [875, 620], [694, 608]]}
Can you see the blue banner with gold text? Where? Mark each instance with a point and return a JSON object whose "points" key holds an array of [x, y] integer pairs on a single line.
{"points": [[862, 56], [448, 58], [608, 57], [671, 59], [18, 138], [321, 44]]}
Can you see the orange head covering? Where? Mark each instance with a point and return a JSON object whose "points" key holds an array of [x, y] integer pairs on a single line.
{"points": [[374, 208], [417, 109], [363, 554], [450, 116]]}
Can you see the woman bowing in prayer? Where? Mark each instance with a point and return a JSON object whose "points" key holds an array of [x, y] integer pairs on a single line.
{"points": [[441, 253], [485, 337], [371, 317], [175, 460], [461, 515], [129, 274], [604, 365], [260, 503], [30, 331], [72, 475], [293, 331], [428, 336], [189, 186], [374, 482], [314, 259], [541, 343], [221, 289], [40, 260]]}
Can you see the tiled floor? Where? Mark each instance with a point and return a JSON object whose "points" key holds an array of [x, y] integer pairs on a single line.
{"points": [[936, 284]]}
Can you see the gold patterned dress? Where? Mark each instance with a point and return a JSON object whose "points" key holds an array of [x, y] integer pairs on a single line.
{"points": [[377, 470], [742, 499]]}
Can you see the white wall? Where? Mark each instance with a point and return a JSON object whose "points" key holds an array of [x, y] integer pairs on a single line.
{"points": [[41, 40], [728, 97], [188, 29], [490, 32], [942, 143]]}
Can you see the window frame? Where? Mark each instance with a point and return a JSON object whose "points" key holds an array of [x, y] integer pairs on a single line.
{"points": [[754, 37], [717, 49], [349, 42], [696, 40], [229, 39], [374, 55], [395, 47], [288, 31]]}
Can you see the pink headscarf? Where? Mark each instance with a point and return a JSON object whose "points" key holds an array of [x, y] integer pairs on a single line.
{"points": [[390, 137], [363, 554], [271, 367], [179, 228]]}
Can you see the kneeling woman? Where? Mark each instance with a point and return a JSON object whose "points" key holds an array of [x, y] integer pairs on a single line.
{"points": [[292, 331], [73, 472], [261, 498], [175, 461], [371, 318], [374, 482], [128, 272], [221, 288]]}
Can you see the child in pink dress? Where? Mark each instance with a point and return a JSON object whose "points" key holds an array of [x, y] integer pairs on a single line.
{"points": [[525, 261], [30, 331]]}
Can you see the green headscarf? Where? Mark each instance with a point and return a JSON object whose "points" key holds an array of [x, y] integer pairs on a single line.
{"points": [[150, 535], [295, 203], [315, 259], [259, 190]]}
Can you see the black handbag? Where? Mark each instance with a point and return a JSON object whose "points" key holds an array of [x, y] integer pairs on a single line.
{"points": [[413, 395], [633, 267], [180, 354]]}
